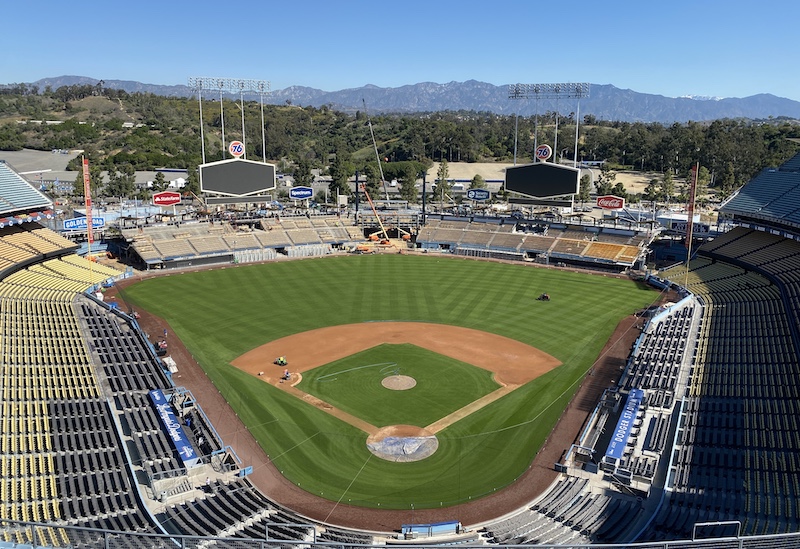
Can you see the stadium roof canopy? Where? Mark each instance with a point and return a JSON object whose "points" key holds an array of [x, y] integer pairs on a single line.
{"points": [[772, 197], [17, 196]]}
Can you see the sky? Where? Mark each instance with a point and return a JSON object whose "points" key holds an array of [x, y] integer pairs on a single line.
{"points": [[674, 48]]}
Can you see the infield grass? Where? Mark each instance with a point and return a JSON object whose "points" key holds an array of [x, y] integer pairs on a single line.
{"points": [[443, 385], [221, 314]]}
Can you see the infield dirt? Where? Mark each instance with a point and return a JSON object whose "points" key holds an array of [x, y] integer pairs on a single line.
{"points": [[535, 480], [512, 363]]}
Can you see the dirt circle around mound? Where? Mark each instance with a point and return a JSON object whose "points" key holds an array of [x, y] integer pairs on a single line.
{"points": [[402, 443], [399, 382]]}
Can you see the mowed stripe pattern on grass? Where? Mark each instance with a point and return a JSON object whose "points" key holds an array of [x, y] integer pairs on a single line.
{"points": [[353, 384], [223, 313]]}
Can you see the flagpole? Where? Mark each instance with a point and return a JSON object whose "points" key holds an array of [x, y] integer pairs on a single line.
{"points": [[87, 196]]}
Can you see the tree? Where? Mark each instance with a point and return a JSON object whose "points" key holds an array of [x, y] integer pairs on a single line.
{"points": [[372, 178], [193, 182], [652, 192], [585, 192], [442, 184], [160, 183], [667, 186], [340, 171], [408, 183], [727, 181], [302, 172], [605, 181], [620, 191], [703, 180], [95, 180], [478, 182], [122, 182]]}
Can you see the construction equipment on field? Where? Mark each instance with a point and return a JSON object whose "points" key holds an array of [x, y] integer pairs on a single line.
{"points": [[385, 238]]}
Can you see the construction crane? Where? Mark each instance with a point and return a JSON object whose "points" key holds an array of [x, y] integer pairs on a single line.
{"points": [[375, 212], [375, 146], [200, 200]]}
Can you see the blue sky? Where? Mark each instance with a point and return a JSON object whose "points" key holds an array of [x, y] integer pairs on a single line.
{"points": [[702, 47]]}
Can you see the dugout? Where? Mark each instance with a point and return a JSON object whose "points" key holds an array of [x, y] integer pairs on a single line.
{"points": [[447, 528]]}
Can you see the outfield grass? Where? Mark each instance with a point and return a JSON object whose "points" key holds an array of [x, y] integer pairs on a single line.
{"points": [[353, 384], [221, 314]]}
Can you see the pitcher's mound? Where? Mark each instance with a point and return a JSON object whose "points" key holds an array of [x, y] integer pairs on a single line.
{"points": [[402, 443], [398, 382]]}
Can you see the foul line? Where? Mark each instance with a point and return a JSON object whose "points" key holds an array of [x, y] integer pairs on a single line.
{"points": [[335, 505]]}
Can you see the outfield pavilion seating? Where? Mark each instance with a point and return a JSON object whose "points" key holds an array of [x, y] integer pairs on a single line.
{"points": [[242, 241], [569, 247], [507, 241], [302, 236], [209, 245], [560, 242], [174, 249], [201, 243]]}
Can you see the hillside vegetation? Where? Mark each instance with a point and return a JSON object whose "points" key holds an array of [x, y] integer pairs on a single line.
{"points": [[123, 132]]}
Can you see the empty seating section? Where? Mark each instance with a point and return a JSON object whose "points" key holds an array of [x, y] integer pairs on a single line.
{"points": [[235, 509], [655, 364], [770, 254], [604, 250], [18, 194], [241, 241], [570, 247], [536, 243], [772, 194], [275, 238], [37, 241], [737, 453], [481, 238], [129, 370], [209, 245], [508, 241], [304, 236], [169, 243], [61, 456], [171, 249], [568, 513], [533, 238], [24, 243]]}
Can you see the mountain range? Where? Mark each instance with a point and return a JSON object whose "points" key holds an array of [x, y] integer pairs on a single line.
{"points": [[604, 102]]}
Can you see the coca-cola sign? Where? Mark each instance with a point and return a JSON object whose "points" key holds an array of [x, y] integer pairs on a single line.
{"points": [[610, 202], [166, 198]]}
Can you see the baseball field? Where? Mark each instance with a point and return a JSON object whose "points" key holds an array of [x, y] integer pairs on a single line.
{"points": [[442, 348]]}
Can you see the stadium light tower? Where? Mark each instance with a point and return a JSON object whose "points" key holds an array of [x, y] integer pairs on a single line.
{"points": [[549, 91], [230, 85]]}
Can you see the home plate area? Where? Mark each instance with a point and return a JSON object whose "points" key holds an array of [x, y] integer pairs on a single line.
{"points": [[402, 443]]}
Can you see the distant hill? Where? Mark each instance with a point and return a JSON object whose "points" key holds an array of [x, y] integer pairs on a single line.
{"points": [[605, 102]]}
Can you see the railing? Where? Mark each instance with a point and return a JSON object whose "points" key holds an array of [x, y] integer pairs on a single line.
{"points": [[55, 535]]}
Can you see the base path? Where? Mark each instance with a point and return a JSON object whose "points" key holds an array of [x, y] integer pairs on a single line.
{"points": [[512, 363], [535, 480]]}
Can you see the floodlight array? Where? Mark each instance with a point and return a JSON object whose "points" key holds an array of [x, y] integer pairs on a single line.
{"points": [[231, 85], [549, 91]]}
